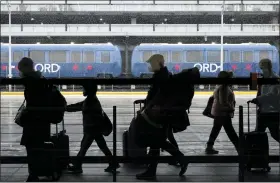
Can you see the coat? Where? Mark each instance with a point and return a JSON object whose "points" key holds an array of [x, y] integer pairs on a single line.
{"points": [[35, 129], [92, 114], [224, 103]]}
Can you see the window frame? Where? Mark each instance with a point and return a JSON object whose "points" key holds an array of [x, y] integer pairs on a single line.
{"points": [[22, 55], [101, 54], [181, 56], [167, 55], [51, 51], [91, 61], [186, 54], [81, 57], [219, 51], [142, 54], [240, 56], [269, 54], [35, 60], [7, 53], [253, 56]]}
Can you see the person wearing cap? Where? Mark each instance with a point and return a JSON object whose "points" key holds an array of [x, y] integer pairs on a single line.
{"points": [[268, 101], [222, 110], [92, 127], [151, 134]]}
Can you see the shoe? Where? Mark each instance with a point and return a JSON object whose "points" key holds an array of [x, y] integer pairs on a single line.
{"points": [[75, 170], [211, 150], [111, 168], [184, 168], [148, 175], [32, 179]]}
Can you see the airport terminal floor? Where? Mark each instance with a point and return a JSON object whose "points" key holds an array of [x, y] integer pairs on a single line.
{"points": [[191, 142]]}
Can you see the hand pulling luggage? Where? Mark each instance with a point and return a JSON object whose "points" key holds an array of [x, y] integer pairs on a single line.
{"points": [[61, 145], [130, 149], [256, 148]]}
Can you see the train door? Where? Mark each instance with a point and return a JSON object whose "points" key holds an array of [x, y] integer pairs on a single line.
{"points": [[248, 63]]}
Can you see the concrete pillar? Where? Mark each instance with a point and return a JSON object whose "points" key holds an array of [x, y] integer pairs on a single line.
{"points": [[274, 20], [133, 21]]}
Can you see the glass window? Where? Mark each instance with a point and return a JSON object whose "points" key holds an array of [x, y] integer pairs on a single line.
{"points": [[194, 56], [235, 56], [165, 55], [176, 56], [37, 56], [264, 54], [58, 56], [105, 56], [4, 56], [88, 56], [215, 56], [248, 56], [17, 56], [147, 55], [75, 56]]}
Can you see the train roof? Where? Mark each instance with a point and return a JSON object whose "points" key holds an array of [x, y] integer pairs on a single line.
{"points": [[61, 46], [196, 46]]}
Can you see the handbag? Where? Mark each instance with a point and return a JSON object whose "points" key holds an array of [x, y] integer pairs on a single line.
{"points": [[107, 125], [208, 108], [19, 116]]}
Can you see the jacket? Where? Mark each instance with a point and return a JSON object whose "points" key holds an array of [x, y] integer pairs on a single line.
{"points": [[224, 102], [162, 74], [35, 129], [92, 114]]}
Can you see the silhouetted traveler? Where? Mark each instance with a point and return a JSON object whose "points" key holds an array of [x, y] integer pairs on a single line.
{"points": [[156, 62], [150, 133], [92, 127], [268, 100], [223, 111], [36, 130]]}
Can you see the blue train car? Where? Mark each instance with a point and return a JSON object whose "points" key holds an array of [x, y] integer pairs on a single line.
{"points": [[239, 58], [66, 60]]}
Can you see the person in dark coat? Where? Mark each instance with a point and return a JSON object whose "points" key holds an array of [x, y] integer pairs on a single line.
{"points": [[160, 72], [36, 130], [92, 127], [149, 133]]}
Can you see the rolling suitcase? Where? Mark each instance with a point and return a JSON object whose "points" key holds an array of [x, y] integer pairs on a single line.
{"points": [[61, 146], [44, 162], [256, 148], [130, 149]]}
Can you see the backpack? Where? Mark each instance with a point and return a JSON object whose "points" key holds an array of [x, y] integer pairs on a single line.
{"points": [[186, 91], [56, 104]]}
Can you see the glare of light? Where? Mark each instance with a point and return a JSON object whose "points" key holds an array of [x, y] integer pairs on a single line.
{"points": [[165, 19], [32, 19], [104, 23], [179, 42], [109, 43], [72, 43], [162, 23], [213, 43], [101, 19], [38, 43], [42, 23], [232, 19]]}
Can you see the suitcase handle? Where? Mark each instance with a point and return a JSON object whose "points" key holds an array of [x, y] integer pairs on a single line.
{"points": [[63, 127], [138, 102]]}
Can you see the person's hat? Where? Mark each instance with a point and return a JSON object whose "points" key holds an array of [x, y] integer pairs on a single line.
{"points": [[156, 58]]}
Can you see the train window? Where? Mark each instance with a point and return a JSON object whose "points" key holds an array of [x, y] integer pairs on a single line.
{"points": [[235, 56], [215, 56], [194, 56], [75, 56], [88, 56], [4, 56], [176, 56], [165, 55], [37, 56], [264, 54], [105, 56], [17, 56], [58, 56], [147, 55], [248, 56]]}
